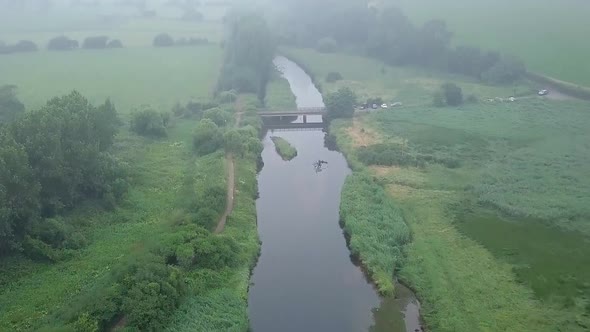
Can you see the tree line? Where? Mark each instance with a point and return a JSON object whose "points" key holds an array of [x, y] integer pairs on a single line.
{"points": [[388, 35], [61, 43], [249, 51]]}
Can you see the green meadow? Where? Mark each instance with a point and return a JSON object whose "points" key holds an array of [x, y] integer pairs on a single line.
{"points": [[498, 213], [548, 35], [131, 77]]}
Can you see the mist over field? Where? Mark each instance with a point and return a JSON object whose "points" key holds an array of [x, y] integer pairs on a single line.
{"points": [[294, 165]]}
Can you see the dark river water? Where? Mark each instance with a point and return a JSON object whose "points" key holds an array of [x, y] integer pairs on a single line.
{"points": [[305, 279]]}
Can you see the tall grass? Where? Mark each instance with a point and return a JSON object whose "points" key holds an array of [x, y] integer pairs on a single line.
{"points": [[376, 228]]}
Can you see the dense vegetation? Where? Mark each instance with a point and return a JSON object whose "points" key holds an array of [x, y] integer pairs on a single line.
{"points": [[284, 149], [249, 51], [388, 35], [10, 106], [54, 158], [376, 227], [340, 104]]}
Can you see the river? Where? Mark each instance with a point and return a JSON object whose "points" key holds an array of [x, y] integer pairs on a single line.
{"points": [[305, 279]]}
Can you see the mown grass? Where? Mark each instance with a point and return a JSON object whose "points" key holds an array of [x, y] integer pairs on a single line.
{"points": [[284, 148], [130, 77], [520, 171]]}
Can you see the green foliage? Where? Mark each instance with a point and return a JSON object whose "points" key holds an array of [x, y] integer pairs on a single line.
{"points": [[114, 43], [52, 159], [377, 230], [219, 116], [452, 93], [226, 97], [505, 71], [327, 45], [163, 40], [62, 43], [438, 99], [95, 42], [21, 46], [284, 149], [207, 137], [149, 122], [10, 107], [340, 104], [333, 77], [249, 51], [242, 142]]}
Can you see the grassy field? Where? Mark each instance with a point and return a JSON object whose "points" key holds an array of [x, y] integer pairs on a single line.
{"points": [[130, 77], [500, 236], [547, 34], [278, 94], [371, 78]]}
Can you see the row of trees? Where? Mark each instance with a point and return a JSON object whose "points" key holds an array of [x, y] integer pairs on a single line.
{"points": [[50, 160], [61, 43], [387, 34], [165, 40], [249, 51]]}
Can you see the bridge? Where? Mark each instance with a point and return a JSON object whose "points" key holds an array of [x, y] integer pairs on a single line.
{"points": [[302, 111]]}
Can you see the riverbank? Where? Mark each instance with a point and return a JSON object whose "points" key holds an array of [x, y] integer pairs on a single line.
{"points": [[464, 279]]}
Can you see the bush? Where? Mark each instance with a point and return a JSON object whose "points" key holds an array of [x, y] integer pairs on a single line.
{"points": [[207, 137], [452, 93], [148, 122], [62, 43], [326, 45], [218, 116], [340, 104], [226, 97], [333, 77], [115, 43], [96, 42], [163, 40]]}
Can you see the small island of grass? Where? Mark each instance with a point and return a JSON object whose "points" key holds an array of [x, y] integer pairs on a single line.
{"points": [[284, 149]]}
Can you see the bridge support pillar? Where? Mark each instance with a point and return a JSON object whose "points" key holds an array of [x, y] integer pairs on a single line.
{"points": [[304, 118]]}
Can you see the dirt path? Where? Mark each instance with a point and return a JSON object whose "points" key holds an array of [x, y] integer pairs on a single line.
{"points": [[231, 177]]}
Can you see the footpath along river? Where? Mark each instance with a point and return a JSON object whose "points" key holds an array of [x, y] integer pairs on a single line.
{"points": [[305, 279]]}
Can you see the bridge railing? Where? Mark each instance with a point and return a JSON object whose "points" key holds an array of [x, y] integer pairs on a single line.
{"points": [[302, 110]]}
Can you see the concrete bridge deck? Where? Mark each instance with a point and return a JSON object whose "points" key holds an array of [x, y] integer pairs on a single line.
{"points": [[297, 112]]}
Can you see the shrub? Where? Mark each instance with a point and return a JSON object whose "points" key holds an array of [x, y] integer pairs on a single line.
{"points": [[62, 43], [326, 45], [227, 97], [218, 116], [96, 42], [207, 137], [340, 104], [148, 122], [163, 40], [333, 77], [115, 43], [452, 93]]}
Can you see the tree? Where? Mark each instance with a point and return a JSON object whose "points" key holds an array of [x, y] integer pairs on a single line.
{"points": [[25, 46], [115, 43], [207, 137], [10, 107], [327, 45], [96, 42], [218, 116], [452, 93], [19, 194], [233, 142], [505, 71], [163, 40], [62, 43], [333, 77], [148, 122], [340, 104]]}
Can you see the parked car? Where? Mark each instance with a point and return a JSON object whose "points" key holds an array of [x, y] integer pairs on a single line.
{"points": [[374, 106], [384, 106], [543, 92], [396, 104], [512, 99]]}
